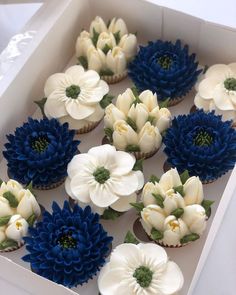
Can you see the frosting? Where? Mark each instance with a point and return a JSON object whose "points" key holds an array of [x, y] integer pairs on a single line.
{"points": [[104, 178], [106, 48], [140, 269], [217, 91], [75, 96], [136, 121]]}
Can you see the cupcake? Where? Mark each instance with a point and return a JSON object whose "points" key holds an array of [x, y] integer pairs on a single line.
{"points": [[136, 123], [217, 91], [39, 152], [202, 144], [173, 211], [77, 97], [18, 210], [104, 179], [140, 269], [166, 69], [107, 49], [67, 246]]}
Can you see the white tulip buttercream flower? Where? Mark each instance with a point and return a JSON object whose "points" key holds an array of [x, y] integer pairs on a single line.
{"points": [[98, 25], [17, 228], [106, 39], [193, 191], [5, 208], [83, 43], [96, 59], [153, 216], [128, 43], [195, 218], [28, 205], [112, 114], [164, 120], [11, 186], [142, 269], [125, 100], [104, 178], [149, 138], [116, 60], [118, 25]]}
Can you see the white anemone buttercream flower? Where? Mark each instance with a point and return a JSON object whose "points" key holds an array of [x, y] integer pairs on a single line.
{"points": [[28, 205], [17, 228], [104, 178], [142, 269], [217, 91], [74, 96]]}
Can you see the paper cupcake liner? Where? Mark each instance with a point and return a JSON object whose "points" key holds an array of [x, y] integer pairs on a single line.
{"points": [[49, 186], [89, 127], [114, 78], [175, 101]]}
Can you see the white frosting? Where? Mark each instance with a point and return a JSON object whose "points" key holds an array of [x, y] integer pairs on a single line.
{"points": [[117, 191], [17, 228], [148, 135], [117, 276], [212, 93], [118, 52]]}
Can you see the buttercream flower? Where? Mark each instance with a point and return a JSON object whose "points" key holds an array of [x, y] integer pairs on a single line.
{"points": [[142, 269], [217, 91], [133, 124], [104, 178], [202, 144], [5, 208], [107, 49], [17, 228], [11, 186], [39, 151], [28, 206], [172, 210], [75, 97], [67, 246], [166, 69]]}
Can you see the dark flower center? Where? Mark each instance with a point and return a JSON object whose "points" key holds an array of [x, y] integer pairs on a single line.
{"points": [[101, 175], [143, 276], [165, 62], [66, 241], [203, 138], [73, 91], [230, 84], [40, 144]]}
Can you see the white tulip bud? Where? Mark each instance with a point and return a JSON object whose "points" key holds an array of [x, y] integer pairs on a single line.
{"points": [[154, 216], [195, 218], [11, 186], [125, 100], [112, 114], [28, 206], [118, 25], [123, 135], [5, 208], [193, 191], [149, 138], [170, 179], [98, 25], [149, 99], [83, 43], [106, 39], [147, 193], [139, 114], [96, 59], [116, 60], [2, 233], [173, 201], [17, 228], [164, 120], [129, 45]]}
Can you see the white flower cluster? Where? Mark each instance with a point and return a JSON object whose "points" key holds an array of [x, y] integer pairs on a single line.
{"points": [[136, 121], [18, 210], [106, 49], [172, 210]]}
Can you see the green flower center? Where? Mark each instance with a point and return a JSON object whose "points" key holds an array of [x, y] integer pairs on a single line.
{"points": [[203, 138], [165, 62], [40, 144], [230, 84], [67, 242], [73, 91], [101, 175], [143, 276]]}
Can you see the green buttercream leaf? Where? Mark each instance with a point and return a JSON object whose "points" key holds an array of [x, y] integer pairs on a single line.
{"points": [[138, 206], [189, 238], [106, 100], [138, 166], [106, 72], [132, 148], [151, 119], [178, 212], [110, 214], [108, 132], [159, 200], [4, 220], [179, 189], [30, 187], [106, 48], [83, 61], [1, 181], [130, 238], [136, 94], [206, 67], [11, 199], [31, 219], [153, 178], [156, 234], [108, 23], [117, 36], [184, 176], [95, 37], [8, 243], [164, 103], [206, 204], [131, 123], [40, 104]]}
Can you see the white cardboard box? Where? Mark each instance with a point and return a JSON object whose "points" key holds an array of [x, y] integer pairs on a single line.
{"points": [[51, 51]]}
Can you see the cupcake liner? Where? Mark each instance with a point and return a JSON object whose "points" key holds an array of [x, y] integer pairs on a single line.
{"points": [[114, 78], [49, 186], [193, 109], [175, 101], [11, 249], [89, 127]]}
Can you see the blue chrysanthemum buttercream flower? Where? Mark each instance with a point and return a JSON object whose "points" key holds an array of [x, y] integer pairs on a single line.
{"points": [[165, 68], [39, 151], [201, 143], [67, 246]]}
